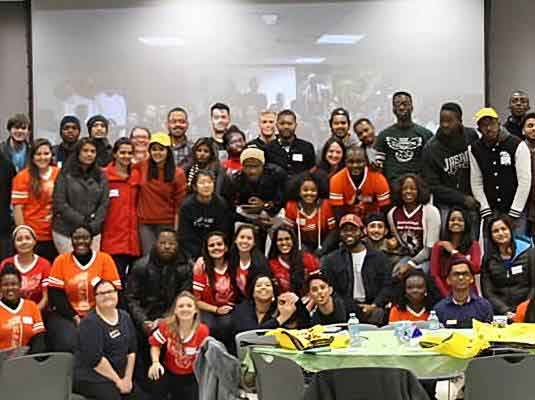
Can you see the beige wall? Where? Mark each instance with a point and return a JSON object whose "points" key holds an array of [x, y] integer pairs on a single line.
{"points": [[511, 64], [13, 62]]}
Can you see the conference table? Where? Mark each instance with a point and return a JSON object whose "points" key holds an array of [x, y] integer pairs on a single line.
{"points": [[379, 348]]}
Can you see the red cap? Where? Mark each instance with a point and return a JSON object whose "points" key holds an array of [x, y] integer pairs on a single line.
{"points": [[351, 219]]}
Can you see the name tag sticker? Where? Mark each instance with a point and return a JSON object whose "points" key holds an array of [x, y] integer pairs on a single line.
{"points": [[451, 322], [115, 333], [114, 193], [297, 157], [27, 320], [517, 269]]}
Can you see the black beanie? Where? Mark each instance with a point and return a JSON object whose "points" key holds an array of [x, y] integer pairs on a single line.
{"points": [[454, 107], [96, 118], [68, 119]]}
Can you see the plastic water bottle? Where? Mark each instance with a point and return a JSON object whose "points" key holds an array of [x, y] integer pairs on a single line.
{"points": [[354, 330], [434, 323]]}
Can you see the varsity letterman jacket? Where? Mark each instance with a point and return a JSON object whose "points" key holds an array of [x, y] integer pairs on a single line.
{"points": [[500, 174]]}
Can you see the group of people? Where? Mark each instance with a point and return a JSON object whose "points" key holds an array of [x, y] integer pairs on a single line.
{"points": [[129, 255]]}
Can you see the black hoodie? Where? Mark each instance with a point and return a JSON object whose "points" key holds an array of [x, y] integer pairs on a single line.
{"points": [[198, 219], [7, 173], [447, 167]]}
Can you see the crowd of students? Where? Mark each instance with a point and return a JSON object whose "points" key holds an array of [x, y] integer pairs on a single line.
{"points": [[117, 252]]}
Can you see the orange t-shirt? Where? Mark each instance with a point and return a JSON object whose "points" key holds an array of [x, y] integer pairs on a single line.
{"points": [[322, 217], [520, 314], [78, 280], [372, 193], [408, 315], [17, 327], [37, 211]]}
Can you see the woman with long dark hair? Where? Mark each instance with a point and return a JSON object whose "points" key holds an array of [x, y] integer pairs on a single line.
{"points": [[214, 286], [507, 273], [120, 236], [333, 155], [162, 190], [309, 212], [414, 222], [246, 260], [457, 239], [265, 308], [205, 157], [289, 265], [31, 196], [80, 197]]}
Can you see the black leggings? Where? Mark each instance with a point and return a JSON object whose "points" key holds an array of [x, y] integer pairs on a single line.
{"points": [[106, 391], [180, 387]]}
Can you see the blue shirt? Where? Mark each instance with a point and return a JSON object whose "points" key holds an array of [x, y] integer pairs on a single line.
{"points": [[453, 315]]}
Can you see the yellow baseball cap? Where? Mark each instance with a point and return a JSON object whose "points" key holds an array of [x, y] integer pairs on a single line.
{"points": [[161, 138], [486, 112]]}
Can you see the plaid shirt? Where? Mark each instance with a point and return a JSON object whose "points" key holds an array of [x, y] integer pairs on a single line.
{"points": [[183, 153]]}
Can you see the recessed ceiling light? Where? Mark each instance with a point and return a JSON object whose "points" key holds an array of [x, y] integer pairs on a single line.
{"points": [[309, 60], [339, 39], [162, 41]]}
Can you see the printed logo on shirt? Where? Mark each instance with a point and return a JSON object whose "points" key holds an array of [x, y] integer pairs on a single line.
{"points": [[115, 333], [456, 162], [404, 147], [505, 158], [190, 351], [204, 222]]}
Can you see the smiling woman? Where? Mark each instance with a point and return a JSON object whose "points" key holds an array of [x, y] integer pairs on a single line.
{"points": [[70, 288]]}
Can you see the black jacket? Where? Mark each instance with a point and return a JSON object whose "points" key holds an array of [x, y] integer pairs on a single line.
{"points": [[338, 316], [506, 287], [365, 383], [244, 317], [376, 275], [152, 287], [7, 173], [514, 127], [61, 153], [447, 167], [270, 187], [198, 219], [104, 152], [300, 158]]}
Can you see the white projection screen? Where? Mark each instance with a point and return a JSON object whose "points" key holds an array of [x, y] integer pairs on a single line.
{"points": [[134, 60]]}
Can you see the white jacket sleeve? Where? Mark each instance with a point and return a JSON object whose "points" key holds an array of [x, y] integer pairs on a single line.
{"points": [[523, 176], [476, 181]]}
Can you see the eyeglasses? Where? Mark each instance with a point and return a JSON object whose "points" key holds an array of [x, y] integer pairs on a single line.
{"points": [[105, 293]]}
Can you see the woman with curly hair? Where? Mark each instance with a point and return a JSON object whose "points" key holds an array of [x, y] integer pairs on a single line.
{"points": [[414, 222]]}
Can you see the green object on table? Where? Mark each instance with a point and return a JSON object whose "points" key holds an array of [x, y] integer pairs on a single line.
{"points": [[378, 349]]}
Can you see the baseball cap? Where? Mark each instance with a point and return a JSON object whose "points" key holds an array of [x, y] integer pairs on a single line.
{"points": [[161, 138], [351, 219], [252, 152], [486, 112]]}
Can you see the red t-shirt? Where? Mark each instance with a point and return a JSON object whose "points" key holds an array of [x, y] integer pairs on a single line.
{"points": [[37, 211], [242, 273], [281, 270], [179, 357], [34, 277], [408, 315], [322, 217], [223, 293], [19, 326]]}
